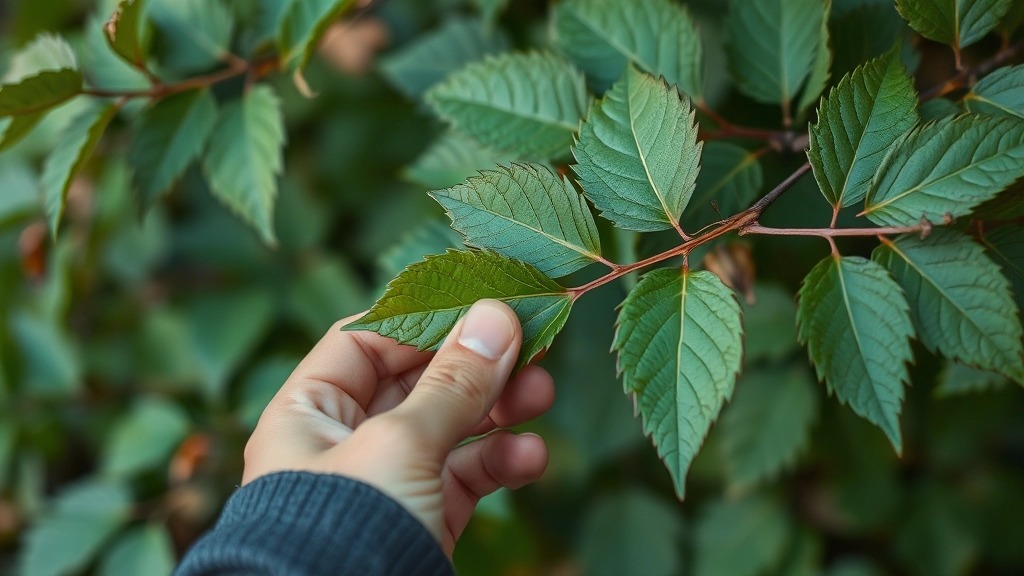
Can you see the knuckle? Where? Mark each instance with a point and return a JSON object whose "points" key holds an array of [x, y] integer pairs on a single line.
{"points": [[460, 381]]}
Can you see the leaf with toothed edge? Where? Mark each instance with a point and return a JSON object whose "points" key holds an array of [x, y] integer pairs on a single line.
{"points": [[856, 323], [1001, 93], [955, 22], [821, 71], [122, 31], [680, 345], [422, 305]]}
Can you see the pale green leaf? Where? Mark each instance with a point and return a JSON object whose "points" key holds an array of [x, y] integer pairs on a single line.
{"points": [[422, 305], [770, 324], [45, 52], [946, 167], [958, 300], [76, 145], [20, 183], [196, 34], [772, 46], [858, 122], [14, 128], [528, 213], [603, 36], [856, 323], [633, 532], [244, 158], [821, 71], [70, 533], [958, 23], [144, 437], [767, 424], [169, 136], [740, 538], [432, 237], [144, 550], [260, 386], [730, 179], [1006, 247], [526, 104], [302, 26], [638, 156], [1001, 93], [430, 58], [452, 158], [40, 92], [957, 379], [680, 345], [123, 32]]}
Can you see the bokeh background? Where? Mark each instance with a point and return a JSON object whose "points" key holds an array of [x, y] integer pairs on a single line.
{"points": [[136, 354]]}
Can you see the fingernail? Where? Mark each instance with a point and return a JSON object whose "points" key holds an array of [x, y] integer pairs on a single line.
{"points": [[487, 331]]}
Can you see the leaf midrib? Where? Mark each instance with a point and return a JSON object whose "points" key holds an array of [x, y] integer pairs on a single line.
{"points": [[509, 111], [856, 335], [643, 159]]}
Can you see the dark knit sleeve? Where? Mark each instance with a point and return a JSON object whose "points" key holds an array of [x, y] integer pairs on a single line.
{"points": [[303, 524]]}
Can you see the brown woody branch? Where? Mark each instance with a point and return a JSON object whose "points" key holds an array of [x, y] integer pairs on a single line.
{"points": [[967, 76]]}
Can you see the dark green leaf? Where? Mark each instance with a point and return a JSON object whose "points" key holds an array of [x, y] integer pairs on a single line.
{"points": [[1006, 247], [144, 437], [770, 324], [1001, 93], [245, 158], [858, 123], [958, 300], [302, 26], [957, 379], [105, 69], [422, 305], [680, 348], [633, 532], [937, 108], [145, 550], [638, 154], [857, 327], [603, 36], [40, 92], [936, 540], [526, 104], [958, 23], [123, 31], [490, 10], [730, 178], [528, 213], [946, 167], [740, 538], [196, 33], [452, 158]]}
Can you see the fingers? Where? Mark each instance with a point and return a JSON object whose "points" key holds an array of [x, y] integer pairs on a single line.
{"points": [[465, 378], [501, 460], [530, 394]]}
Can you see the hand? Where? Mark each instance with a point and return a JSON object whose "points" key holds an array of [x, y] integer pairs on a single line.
{"points": [[362, 406]]}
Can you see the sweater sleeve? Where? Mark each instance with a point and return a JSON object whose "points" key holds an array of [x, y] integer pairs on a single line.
{"points": [[304, 524]]}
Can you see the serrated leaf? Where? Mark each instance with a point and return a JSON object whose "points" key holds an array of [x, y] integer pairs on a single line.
{"points": [[958, 300], [76, 144], [858, 122], [144, 437], [821, 71], [144, 550], [526, 104], [743, 537], [432, 57], [45, 52], [638, 156], [422, 305], [770, 324], [40, 92], [123, 32], [196, 33], [1001, 93], [634, 532], [957, 379], [169, 136], [856, 323], [527, 213], [767, 424], [730, 178], [603, 36], [67, 536], [680, 345], [244, 158], [958, 23], [452, 158], [302, 26], [946, 167], [772, 46]]}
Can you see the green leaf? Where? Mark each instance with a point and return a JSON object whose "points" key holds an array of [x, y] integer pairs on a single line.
{"points": [[740, 538], [603, 36], [144, 437], [67, 536], [260, 386], [302, 26], [937, 108], [123, 32], [958, 299], [946, 167], [527, 213], [422, 305], [45, 52], [490, 10], [15, 128], [104, 68], [527, 104], [856, 323], [244, 158], [772, 47], [821, 71], [1006, 247], [770, 324], [767, 425], [430, 58], [196, 33], [680, 344], [452, 158], [730, 177], [638, 154], [169, 136], [39, 93], [76, 144], [958, 23], [633, 532], [431, 238], [957, 379], [144, 550], [1001, 93], [862, 32], [936, 539], [858, 123]]}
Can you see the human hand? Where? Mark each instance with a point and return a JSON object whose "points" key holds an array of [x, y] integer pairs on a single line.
{"points": [[362, 406]]}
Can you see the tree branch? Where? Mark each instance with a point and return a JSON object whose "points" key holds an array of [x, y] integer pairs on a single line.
{"points": [[160, 90]]}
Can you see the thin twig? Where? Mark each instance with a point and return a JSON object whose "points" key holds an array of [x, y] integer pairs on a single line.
{"points": [[964, 76], [924, 228]]}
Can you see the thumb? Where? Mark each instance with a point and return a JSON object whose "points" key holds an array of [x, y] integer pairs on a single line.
{"points": [[465, 377]]}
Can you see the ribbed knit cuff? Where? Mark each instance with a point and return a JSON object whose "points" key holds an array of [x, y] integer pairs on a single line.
{"points": [[304, 524]]}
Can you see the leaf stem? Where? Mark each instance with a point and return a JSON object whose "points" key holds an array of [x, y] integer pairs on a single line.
{"points": [[965, 76], [925, 228], [160, 90], [779, 140]]}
